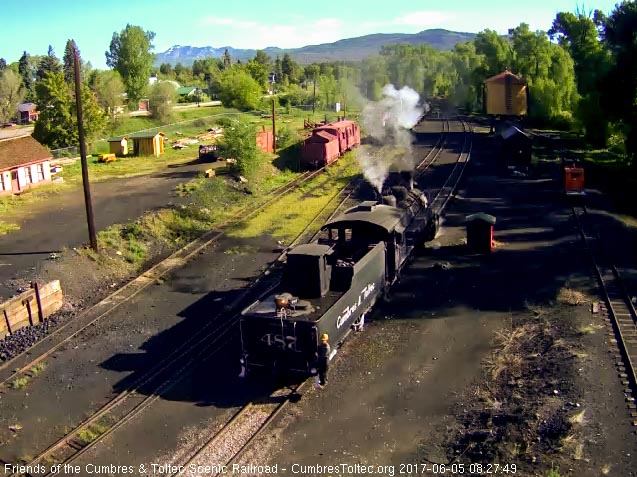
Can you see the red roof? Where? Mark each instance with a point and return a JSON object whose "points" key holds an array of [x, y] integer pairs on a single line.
{"points": [[501, 78], [323, 135], [21, 151], [337, 124]]}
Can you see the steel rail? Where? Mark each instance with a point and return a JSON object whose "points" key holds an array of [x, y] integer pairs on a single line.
{"points": [[71, 442], [444, 194], [254, 408], [622, 313], [151, 275]]}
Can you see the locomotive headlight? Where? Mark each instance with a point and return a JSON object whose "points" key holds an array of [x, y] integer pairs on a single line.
{"points": [[242, 360]]}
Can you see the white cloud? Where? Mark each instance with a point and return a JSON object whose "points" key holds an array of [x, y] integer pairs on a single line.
{"points": [[229, 22], [251, 34], [422, 18], [301, 31]]}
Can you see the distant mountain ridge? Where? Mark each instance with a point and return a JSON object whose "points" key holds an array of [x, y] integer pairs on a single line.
{"points": [[350, 49]]}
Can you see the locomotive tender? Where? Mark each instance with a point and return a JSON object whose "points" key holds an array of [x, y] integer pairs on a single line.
{"points": [[328, 286]]}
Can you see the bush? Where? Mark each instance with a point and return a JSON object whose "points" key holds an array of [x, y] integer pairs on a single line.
{"points": [[162, 98], [239, 142]]}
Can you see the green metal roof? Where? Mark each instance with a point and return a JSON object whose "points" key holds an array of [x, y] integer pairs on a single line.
{"points": [[117, 139], [184, 90], [141, 135]]}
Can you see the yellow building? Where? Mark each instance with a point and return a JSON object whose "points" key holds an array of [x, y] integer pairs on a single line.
{"points": [[148, 144], [506, 95], [118, 146]]}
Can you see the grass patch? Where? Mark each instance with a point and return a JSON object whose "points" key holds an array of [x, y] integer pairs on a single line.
{"points": [[571, 297], [284, 219], [554, 472], [5, 228], [19, 383], [92, 432], [240, 250], [589, 329], [188, 188], [37, 369]]}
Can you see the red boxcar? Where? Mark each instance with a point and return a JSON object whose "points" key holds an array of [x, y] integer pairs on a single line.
{"points": [[330, 141]]}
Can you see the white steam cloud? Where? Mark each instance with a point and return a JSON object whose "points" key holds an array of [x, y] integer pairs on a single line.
{"points": [[389, 122]]}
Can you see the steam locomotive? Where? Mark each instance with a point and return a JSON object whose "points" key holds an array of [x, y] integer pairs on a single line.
{"points": [[328, 286]]}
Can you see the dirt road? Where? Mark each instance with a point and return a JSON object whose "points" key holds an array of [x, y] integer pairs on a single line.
{"points": [[60, 221]]}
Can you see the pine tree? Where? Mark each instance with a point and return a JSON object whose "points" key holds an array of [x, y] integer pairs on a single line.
{"points": [[48, 64], [69, 60], [25, 71], [226, 60]]}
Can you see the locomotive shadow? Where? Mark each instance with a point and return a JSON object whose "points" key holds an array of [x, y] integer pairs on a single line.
{"points": [[537, 253], [210, 377]]}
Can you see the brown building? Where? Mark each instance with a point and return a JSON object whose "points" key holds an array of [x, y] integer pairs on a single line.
{"points": [[265, 140], [24, 163], [27, 113], [118, 145], [148, 143], [506, 95]]}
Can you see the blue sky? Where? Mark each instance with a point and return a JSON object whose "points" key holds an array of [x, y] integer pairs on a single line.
{"points": [[34, 24]]}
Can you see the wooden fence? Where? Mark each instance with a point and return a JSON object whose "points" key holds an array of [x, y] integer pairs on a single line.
{"points": [[31, 307]]}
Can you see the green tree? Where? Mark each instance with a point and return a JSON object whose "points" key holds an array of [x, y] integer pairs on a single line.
{"points": [[130, 54], [550, 72], [238, 89], [162, 99], [278, 70], [619, 86], [226, 61], [289, 69], [497, 52], [109, 87], [11, 94], [57, 124], [579, 35], [259, 72], [239, 142], [68, 60], [179, 69], [26, 72], [48, 64], [166, 69], [468, 82], [262, 58], [3, 64]]}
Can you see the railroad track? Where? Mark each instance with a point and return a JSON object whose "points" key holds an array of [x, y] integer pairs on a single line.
{"points": [[621, 311], [228, 445], [444, 194], [130, 403], [436, 150], [201, 346], [128, 291]]}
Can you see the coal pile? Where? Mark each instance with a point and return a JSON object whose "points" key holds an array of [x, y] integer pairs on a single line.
{"points": [[17, 342]]}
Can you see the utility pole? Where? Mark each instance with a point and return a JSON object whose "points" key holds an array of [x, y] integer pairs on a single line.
{"points": [[80, 128], [314, 100], [273, 127]]}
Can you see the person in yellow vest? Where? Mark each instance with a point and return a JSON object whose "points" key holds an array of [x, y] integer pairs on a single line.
{"points": [[323, 358]]}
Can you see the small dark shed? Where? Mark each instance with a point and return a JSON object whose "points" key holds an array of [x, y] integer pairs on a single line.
{"points": [[516, 147], [480, 232]]}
